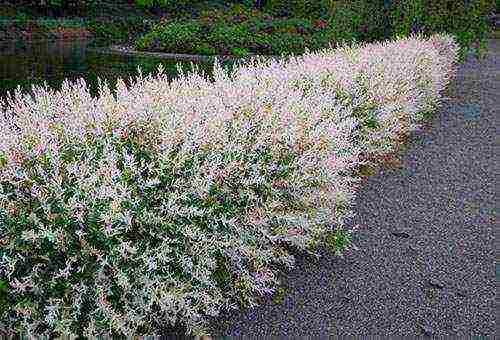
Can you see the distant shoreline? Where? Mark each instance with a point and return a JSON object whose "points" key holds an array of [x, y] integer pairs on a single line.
{"points": [[128, 50]]}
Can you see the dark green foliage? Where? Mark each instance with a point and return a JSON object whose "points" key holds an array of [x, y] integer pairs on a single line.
{"points": [[118, 29], [465, 19], [312, 9], [166, 5], [172, 5], [357, 20], [3, 296], [69, 3], [216, 36], [338, 240], [286, 27], [59, 7]]}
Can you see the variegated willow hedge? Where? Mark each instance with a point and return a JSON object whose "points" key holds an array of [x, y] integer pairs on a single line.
{"points": [[167, 202]]}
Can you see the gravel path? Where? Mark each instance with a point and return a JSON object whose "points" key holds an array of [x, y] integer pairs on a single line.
{"points": [[440, 279]]}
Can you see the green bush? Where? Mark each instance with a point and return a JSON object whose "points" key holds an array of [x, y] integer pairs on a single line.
{"points": [[240, 52], [50, 24], [238, 28], [465, 19], [233, 15], [371, 21], [118, 29], [225, 37], [164, 4], [357, 20], [64, 5], [173, 37], [291, 31], [299, 8]]}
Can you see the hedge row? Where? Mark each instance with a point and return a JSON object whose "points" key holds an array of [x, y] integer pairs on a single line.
{"points": [[170, 201]]}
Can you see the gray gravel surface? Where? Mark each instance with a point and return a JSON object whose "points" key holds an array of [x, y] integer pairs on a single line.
{"points": [[442, 279]]}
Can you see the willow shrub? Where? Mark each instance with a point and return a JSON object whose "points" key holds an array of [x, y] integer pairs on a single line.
{"points": [[169, 201]]}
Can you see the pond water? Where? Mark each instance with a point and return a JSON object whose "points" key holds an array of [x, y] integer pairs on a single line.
{"points": [[25, 63]]}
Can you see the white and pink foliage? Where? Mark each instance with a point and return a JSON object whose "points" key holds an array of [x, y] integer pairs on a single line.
{"points": [[311, 107]]}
